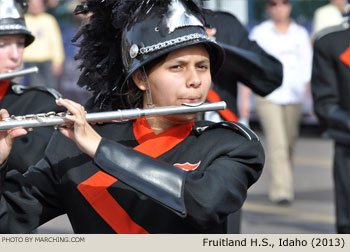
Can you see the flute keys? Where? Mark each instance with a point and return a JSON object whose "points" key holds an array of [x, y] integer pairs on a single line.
{"points": [[61, 114], [29, 117], [18, 118], [40, 116], [50, 114]]}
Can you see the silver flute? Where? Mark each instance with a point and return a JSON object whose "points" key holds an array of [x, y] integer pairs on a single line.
{"points": [[18, 73], [59, 119]]}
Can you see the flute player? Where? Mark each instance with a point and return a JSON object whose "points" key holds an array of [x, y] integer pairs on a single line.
{"points": [[165, 174], [17, 99]]}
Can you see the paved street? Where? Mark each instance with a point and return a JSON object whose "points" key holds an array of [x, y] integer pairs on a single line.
{"points": [[313, 208], [311, 212]]}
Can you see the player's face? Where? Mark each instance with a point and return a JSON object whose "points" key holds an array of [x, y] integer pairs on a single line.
{"points": [[183, 77], [279, 10], [11, 52]]}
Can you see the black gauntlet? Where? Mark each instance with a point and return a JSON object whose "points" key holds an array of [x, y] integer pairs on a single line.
{"points": [[157, 180]]}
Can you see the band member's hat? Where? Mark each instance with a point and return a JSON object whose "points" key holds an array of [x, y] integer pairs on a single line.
{"points": [[122, 36], [12, 19], [156, 31]]}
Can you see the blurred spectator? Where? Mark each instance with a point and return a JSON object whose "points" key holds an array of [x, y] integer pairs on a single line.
{"points": [[329, 15], [331, 93], [69, 25], [280, 112], [52, 3], [63, 11], [47, 51]]}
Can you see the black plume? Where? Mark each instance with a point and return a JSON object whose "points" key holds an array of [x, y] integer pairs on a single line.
{"points": [[99, 54]]}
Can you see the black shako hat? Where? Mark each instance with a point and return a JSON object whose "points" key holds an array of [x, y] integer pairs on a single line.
{"points": [[122, 36], [12, 19], [156, 31]]}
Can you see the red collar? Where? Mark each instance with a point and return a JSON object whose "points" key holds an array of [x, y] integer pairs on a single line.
{"points": [[4, 85], [155, 145]]}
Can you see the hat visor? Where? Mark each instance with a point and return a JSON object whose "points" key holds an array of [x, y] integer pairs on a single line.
{"points": [[29, 38]]}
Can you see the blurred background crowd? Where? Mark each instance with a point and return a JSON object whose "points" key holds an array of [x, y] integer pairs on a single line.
{"points": [[60, 69], [53, 24]]}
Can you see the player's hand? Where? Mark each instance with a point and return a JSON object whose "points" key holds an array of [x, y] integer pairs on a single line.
{"points": [[8, 137], [80, 130]]}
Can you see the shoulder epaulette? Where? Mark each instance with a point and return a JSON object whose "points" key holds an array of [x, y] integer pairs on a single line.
{"points": [[336, 28], [242, 129], [20, 89]]}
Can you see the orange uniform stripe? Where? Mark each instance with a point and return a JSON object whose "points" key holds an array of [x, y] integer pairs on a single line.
{"points": [[345, 57], [227, 114], [94, 189]]}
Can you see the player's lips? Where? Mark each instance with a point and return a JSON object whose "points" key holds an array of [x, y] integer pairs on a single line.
{"points": [[190, 99], [10, 69]]}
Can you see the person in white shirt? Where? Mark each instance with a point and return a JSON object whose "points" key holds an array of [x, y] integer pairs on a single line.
{"points": [[329, 15], [280, 111]]}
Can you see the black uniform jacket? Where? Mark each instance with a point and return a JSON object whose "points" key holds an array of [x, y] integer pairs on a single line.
{"points": [[19, 101], [331, 81], [201, 174], [263, 77]]}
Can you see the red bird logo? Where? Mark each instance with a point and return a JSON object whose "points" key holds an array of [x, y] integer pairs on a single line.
{"points": [[187, 166]]}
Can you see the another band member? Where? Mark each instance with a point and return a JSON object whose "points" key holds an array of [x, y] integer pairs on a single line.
{"points": [[330, 90], [17, 99], [264, 78], [165, 174]]}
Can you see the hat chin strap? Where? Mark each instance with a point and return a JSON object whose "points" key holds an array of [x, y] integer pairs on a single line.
{"points": [[148, 87]]}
